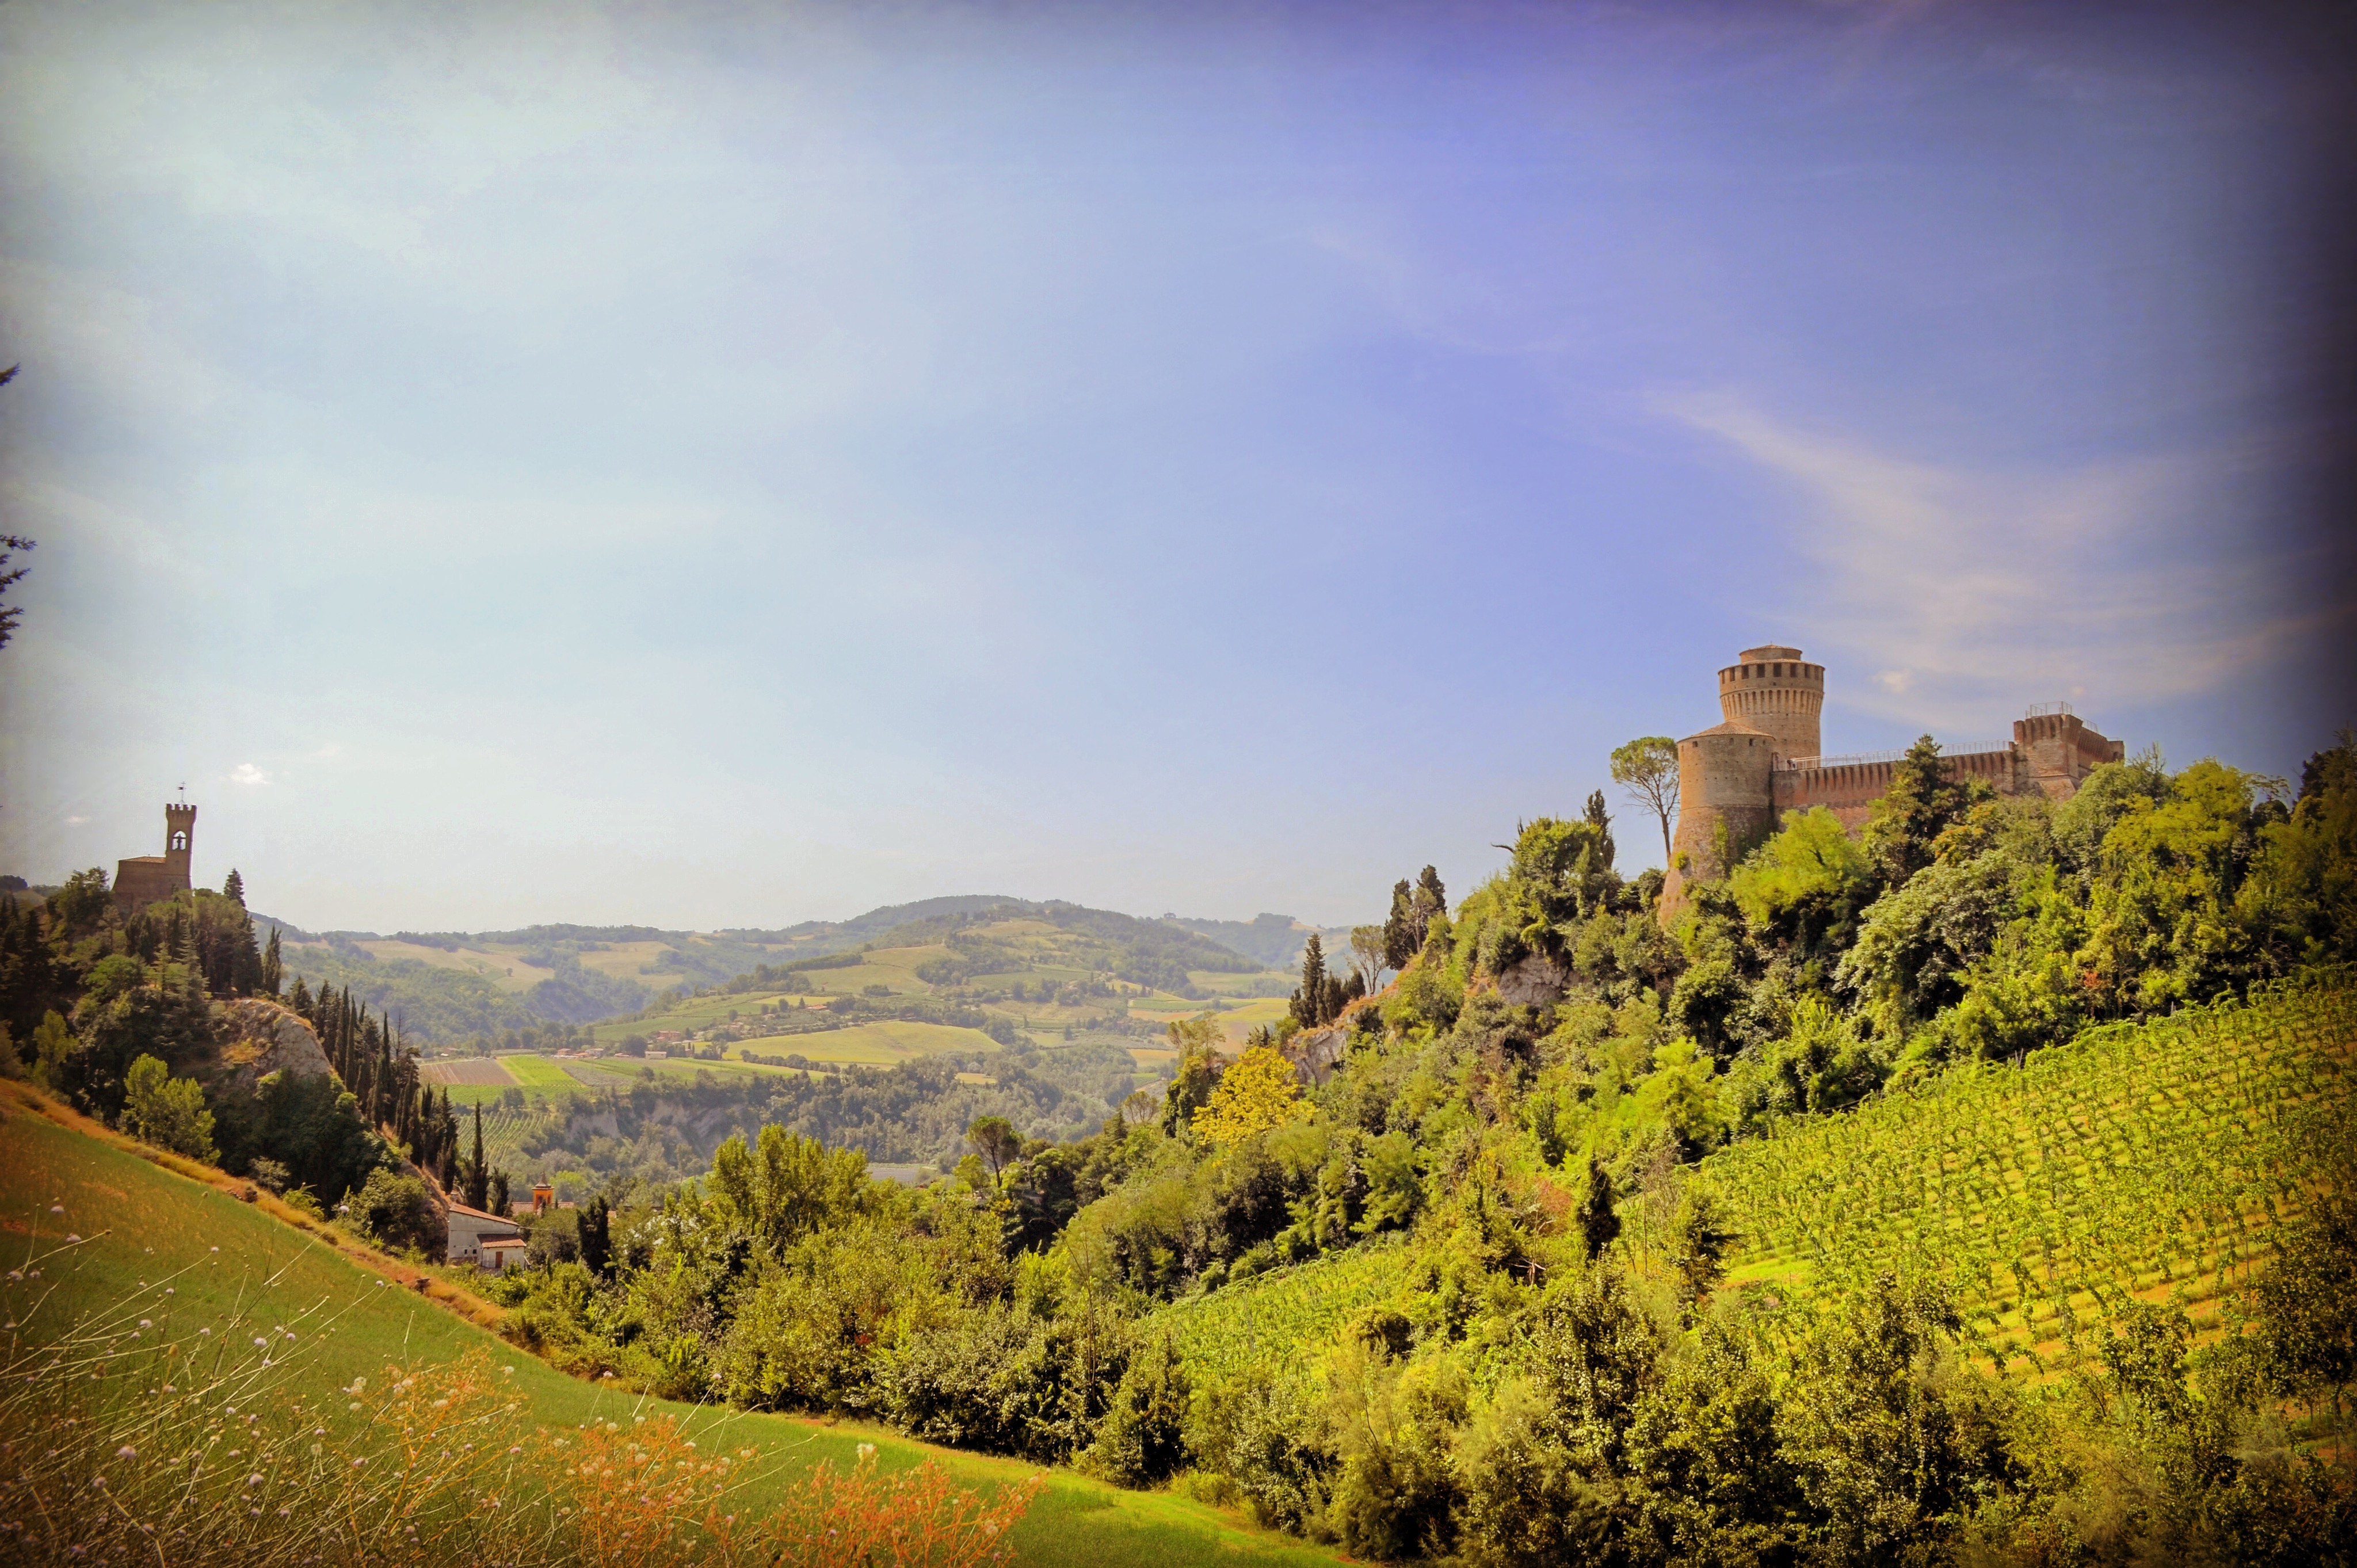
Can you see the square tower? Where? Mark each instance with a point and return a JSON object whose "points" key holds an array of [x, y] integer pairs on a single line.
{"points": [[145, 879]]}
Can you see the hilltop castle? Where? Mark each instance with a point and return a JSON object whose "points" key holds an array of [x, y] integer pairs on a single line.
{"points": [[1736, 780], [145, 879]]}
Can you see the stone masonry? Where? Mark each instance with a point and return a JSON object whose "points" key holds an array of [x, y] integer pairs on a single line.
{"points": [[1738, 778], [145, 879]]}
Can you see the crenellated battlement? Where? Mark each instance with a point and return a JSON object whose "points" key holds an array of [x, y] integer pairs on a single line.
{"points": [[1736, 780], [145, 879]]}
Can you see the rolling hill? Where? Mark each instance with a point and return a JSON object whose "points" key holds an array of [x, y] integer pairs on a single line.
{"points": [[539, 983]]}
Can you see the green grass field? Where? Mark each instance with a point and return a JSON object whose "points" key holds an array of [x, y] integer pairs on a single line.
{"points": [[1048, 954], [484, 1080], [879, 1044], [700, 1012], [539, 1075], [233, 1269]]}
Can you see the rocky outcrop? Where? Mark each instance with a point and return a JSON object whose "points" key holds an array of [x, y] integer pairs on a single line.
{"points": [[1316, 1053], [255, 1038], [1533, 981]]}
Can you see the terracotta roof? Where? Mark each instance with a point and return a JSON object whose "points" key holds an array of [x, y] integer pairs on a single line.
{"points": [[457, 1208], [1732, 726]]}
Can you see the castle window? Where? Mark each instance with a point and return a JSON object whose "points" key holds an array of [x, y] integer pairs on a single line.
{"points": [[179, 840]]}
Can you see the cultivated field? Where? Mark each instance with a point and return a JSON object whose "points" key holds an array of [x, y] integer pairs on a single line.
{"points": [[1284, 1313], [2137, 1160], [879, 1044], [474, 1072]]}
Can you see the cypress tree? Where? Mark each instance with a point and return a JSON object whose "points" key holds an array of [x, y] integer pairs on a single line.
{"points": [[478, 1178], [596, 1238], [1598, 1222], [1431, 898], [1601, 821], [1400, 939], [271, 965], [1309, 1002]]}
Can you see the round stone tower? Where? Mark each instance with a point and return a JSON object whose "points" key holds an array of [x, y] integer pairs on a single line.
{"points": [[1774, 691], [1771, 699], [1725, 803]]}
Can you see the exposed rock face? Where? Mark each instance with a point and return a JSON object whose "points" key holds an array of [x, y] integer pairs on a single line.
{"points": [[1316, 1053], [258, 1038], [1533, 981]]}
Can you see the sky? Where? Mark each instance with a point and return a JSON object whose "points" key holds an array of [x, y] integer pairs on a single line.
{"points": [[724, 465]]}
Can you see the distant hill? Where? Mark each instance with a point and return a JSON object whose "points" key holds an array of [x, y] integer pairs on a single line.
{"points": [[444, 986], [1275, 940]]}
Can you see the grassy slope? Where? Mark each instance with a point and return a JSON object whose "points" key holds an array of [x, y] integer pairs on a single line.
{"points": [[146, 1223]]}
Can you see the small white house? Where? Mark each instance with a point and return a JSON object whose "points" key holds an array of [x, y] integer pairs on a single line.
{"points": [[500, 1253], [475, 1233]]}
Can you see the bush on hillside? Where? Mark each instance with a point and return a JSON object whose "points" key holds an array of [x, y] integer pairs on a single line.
{"points": [[395, 1211], [167, 1111]]}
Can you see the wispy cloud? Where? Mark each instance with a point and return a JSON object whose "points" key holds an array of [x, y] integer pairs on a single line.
{"points": [[1969, 592], [247, 773]]}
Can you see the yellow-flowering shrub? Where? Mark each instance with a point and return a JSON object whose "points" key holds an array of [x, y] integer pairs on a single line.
{"points": [[1258, 1093]]}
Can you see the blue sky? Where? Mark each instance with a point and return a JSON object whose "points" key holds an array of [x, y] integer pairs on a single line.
{"points": [[724, 465]]}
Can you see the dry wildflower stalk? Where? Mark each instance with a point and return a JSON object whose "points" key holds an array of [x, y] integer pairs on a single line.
{"points": [[124, 1441], [916, 1516]]}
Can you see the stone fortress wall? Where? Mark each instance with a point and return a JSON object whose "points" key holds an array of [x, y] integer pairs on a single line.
{"points": [[1738, 778]]}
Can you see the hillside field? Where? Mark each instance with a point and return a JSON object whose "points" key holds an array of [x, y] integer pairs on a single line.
{"points": [[1038, 976], [2151, 1161], [482, 1080], [234, 1269]]}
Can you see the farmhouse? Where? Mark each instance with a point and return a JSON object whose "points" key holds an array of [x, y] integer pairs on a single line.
{"points": [[500, 1253], [486, 1239]]}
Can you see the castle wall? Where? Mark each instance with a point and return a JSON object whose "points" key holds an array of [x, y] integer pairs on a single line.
{"points": [[1849, 789], [147, 879], [1736, 780], [2062, 750]]}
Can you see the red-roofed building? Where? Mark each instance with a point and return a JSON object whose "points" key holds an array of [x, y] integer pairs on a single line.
{"points": [[472, 1231]]}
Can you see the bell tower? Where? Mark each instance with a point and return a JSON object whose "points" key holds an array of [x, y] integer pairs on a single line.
{"points": [[145, 879], [180, 840]]}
